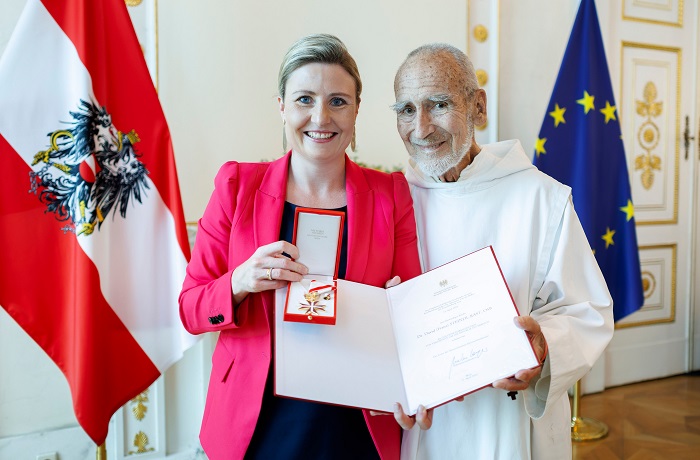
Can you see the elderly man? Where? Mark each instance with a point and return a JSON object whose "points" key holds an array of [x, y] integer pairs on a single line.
{"points": [[466, 197]]}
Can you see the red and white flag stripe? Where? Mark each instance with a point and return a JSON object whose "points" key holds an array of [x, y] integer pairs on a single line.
{"points": [[102, 305]]}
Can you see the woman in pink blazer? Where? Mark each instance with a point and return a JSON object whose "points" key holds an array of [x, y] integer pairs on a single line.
{"points": [[239, 259]]}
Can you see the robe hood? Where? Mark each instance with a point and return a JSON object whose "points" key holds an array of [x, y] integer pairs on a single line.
{"points": [[494, 162]]}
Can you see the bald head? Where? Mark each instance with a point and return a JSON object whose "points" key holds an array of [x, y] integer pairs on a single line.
{"points": [[444, 59], [438, 103]]}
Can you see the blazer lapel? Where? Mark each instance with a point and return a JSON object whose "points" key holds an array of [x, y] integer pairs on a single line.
{"points": [[360, 211], [269, 203]]}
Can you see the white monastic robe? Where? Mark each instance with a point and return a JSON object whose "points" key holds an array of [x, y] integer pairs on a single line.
{"points": [[502, 200]]}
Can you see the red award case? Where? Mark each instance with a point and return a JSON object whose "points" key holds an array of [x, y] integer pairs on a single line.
{"points": [[318, 234]]}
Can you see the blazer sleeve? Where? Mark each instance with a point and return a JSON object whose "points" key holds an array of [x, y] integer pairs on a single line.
{"points": [[406, 260], [206, 299]]}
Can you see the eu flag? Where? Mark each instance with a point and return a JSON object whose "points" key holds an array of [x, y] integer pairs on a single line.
{"points": [[580, 144]]}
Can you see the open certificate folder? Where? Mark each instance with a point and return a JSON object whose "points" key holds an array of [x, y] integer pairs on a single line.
{"points": [[429, 340]]}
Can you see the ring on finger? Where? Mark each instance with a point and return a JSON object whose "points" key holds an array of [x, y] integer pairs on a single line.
{"points": [[268, 273]]}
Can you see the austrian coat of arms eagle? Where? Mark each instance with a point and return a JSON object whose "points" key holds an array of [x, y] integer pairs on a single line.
{"points": [[90, 170]]}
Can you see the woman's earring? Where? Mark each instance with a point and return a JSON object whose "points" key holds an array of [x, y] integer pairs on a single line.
{"points": [[284, 138], [352, 142]]}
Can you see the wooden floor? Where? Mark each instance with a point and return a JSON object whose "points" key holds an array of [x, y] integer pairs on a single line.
{"points": [[659, 419]]}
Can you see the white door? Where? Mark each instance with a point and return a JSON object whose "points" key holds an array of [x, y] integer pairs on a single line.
{"points": [[692, 137], [652, 52]]}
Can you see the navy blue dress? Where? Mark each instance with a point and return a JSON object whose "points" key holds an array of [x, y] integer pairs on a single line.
{"points": [[301, 430]]}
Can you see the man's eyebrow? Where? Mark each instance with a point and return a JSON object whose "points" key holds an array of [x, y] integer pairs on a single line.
{"points": [[440, 98], [399, 106]]}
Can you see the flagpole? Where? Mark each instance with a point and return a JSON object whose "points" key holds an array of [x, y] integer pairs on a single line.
{"points": [[584, 428], [101, 452]]}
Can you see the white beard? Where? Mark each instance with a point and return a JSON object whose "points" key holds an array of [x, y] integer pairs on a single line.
{"points": [[437, 165]]}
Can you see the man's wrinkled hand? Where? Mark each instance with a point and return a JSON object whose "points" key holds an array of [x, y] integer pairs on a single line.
{"points": [[521, 379]]}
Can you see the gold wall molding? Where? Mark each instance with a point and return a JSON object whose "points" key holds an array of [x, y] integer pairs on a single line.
{"points": [[138, 428], [648, 135], [649, 12], [643, 136], [651, 285], [482, 77], [481, 33], [141, 443], [648, 283], [140, 408]]}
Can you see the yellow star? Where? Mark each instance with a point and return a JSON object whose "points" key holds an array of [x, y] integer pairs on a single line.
{"points": [[629, 210], [609, 112], [608, 237], [558, 115], [586, 102], [539, 146]]}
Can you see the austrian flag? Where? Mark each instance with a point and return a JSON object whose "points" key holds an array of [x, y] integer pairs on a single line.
{"points": [[94, 239]]}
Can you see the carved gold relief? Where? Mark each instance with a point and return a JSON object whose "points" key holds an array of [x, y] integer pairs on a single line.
{"points": [[141, 444], [140, 409], [641, 63], [648, 283], [481, 33], [482, 127], [648, 135], [666, 282], [133, 2], [482, 77]]}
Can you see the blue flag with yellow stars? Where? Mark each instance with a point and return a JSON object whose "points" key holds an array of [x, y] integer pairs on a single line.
{"points": [[580, 144]]}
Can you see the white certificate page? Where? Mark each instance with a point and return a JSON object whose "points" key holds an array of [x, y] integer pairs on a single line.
{"points": [[454, 330]]}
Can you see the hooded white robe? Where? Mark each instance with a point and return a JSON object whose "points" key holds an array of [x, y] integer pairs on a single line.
{"points": [[502, 200]]}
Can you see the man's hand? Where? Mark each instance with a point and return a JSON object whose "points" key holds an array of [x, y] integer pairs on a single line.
{"points": [[424, 418], [521, 379]]}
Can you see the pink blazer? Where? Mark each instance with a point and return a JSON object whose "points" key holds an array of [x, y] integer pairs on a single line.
{"points": [[245, 212]]}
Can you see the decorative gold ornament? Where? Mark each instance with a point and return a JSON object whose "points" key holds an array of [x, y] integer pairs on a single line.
{"points": [[141, 444], [312, 308], [648, 135], [140, 409], [482, 77], [482, 127], [133, 2], [648, 283], [481, 33], [311, 296]]}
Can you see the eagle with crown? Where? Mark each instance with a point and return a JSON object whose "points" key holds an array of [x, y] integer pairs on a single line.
{"points": [[89, 170]]}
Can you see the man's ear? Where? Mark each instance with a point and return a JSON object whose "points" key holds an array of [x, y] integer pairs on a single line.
{"points": [[480, 115]]}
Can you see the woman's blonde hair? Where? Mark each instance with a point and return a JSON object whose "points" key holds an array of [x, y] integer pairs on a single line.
{"points": [[318, 48]]}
